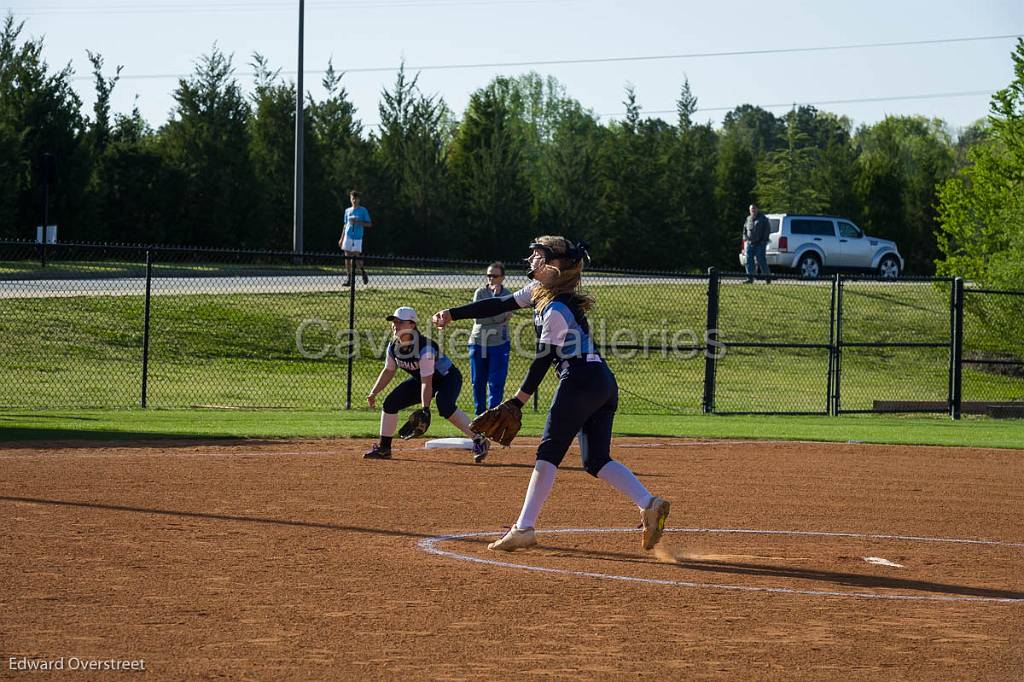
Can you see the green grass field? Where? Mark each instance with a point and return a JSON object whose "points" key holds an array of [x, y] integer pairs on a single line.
{"points": [[240, 349], [128, 425]]}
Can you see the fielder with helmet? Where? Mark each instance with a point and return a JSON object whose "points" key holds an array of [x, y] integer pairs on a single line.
{"points": [[432, 375], [586, 399]]}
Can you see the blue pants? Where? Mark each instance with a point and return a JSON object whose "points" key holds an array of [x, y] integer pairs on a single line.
{"points": [[407, 394], [757, 251], [488, 368], [584, 405]]}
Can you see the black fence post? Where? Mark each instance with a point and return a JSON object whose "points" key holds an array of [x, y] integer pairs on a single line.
{"points": [[711, 342], [46, 219], [351, 327], [957, 349], [838, 352], [49, 173], [145, 328], [831, 345]]}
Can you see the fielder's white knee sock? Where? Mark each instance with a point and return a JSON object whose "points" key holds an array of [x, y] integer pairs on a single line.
{"points": [[623, 480], [541, 483], [461, 421], [388, 424]]}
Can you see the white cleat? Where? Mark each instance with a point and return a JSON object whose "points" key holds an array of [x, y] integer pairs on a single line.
{"points": [[653, 519], [516, 538]]}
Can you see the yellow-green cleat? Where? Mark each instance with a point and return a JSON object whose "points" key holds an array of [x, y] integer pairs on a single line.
{"points": [[653, 519]]}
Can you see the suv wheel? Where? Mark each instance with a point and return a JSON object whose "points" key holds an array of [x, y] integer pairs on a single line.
{"points": [[889, 267], [809, 266]]}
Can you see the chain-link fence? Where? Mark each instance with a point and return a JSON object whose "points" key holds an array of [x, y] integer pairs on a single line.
{"points": [[119, 326], [993, 349], [893, 345], [776, 337]]}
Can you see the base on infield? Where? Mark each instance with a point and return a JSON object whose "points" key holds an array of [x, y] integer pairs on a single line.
{"points": [[449, 444]]}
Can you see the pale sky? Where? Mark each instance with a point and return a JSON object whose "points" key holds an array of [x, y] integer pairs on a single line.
{"points": [[161, 40]]}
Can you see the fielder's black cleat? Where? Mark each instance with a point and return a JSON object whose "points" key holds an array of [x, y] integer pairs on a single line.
{"points": [[480, 447], [378, 451]]}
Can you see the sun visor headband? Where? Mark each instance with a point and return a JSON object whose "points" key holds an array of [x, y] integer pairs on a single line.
{"points": [[574, 252]]}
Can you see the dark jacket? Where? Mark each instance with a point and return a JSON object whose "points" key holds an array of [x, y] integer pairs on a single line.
{"points": [[756, 230]]}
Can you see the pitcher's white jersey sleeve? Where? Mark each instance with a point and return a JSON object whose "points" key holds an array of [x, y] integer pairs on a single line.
{"points": [[524, 297]]}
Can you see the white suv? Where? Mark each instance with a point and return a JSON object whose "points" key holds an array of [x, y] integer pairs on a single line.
{"points": [[810, 244]]}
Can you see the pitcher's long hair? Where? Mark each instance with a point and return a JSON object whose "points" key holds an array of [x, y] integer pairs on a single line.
{"points": [[567, 281]]}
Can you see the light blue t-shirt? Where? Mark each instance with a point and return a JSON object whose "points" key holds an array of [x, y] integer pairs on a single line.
{"points": [[355, 231]]}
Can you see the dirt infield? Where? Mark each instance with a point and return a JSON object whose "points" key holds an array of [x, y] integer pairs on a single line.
{"points": [[299, 560]]}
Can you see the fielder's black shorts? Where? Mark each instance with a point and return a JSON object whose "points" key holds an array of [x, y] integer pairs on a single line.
{"points": [[446, 392], [584, 405]]}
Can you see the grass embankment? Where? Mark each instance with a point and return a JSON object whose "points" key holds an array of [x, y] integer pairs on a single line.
{"points": [[240, 349]]}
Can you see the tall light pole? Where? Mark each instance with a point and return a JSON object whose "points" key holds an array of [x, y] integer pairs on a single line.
{"points": [[297, 229]]}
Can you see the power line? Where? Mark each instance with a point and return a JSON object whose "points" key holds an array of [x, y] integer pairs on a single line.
{"points": [[824, 102], [606, 60], [264, 7], [787, 105]]}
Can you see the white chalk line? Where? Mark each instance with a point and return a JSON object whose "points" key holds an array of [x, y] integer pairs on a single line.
{"points": [[429, 545]]}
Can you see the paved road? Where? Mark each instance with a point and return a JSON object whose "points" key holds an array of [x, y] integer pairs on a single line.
{"points": [[284, 284], [177, 286]]}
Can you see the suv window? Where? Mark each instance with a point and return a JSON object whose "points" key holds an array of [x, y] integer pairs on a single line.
{"points": [[812, 226], [775, 224], [849, 231]]}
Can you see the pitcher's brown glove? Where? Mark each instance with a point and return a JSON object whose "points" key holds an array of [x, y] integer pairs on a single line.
{"points": [[501, 423]]}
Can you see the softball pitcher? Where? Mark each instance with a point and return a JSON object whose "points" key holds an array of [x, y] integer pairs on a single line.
{"points": [[586, 399]]}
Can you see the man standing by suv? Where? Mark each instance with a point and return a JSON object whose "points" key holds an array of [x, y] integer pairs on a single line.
{"points": [[755, 233]]}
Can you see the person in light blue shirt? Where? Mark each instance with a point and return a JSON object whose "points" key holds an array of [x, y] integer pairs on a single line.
{"points": [[351, 242]]}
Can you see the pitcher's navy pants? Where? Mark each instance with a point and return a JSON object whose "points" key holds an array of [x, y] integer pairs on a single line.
{"points": [[584, 405]]}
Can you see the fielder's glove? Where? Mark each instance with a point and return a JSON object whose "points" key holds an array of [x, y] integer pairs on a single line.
{"points": [[416, 425], [500, 423]]}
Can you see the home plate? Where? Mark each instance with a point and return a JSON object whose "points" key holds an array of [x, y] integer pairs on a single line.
{"points": [[449, 443], [879, 561]]}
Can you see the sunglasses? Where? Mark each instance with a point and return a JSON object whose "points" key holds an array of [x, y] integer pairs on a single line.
{"points": [[490, 276]]}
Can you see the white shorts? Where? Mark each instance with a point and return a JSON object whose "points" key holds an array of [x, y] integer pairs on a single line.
{"points": [[352, 245]]}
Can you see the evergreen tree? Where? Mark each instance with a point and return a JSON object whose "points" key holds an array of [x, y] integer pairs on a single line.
{"points": [[570, 198], [272, 155], [902, 161], [785, 178], [344, 161], [207, 141], [412, 149], [99, 129], [638, 220], [39, 113], [137, 192], [735, 179], [488, 166], [702, 239], [761, 130]]}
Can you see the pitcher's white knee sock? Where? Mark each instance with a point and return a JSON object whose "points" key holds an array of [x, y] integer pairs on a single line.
{"points": [[541, 483], [623, 480]]}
